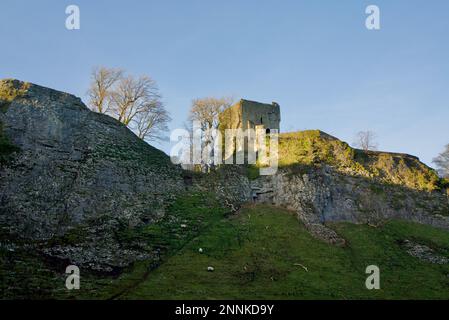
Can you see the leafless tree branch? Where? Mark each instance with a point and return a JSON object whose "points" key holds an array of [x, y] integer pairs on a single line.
{"points": [[365, 140], [442, 162], [136, 102]]}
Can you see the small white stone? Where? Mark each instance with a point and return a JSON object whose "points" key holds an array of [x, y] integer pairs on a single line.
{"points": [[200, 250], [210, 269], [183, 226]]}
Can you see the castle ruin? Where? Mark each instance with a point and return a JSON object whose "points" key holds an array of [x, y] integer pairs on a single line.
{"points": [[246, 114]]}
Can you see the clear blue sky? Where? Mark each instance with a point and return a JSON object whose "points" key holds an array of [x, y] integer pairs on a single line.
{"points": [[315, 58]]}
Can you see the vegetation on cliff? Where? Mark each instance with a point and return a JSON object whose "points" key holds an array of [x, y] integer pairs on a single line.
{"points": [[6, 147], [314, 147], [27, 273], [9, 90]]}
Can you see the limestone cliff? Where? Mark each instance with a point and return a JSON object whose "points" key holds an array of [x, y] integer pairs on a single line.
{"points": [[325, 180], [72, 181], [70, 177]]}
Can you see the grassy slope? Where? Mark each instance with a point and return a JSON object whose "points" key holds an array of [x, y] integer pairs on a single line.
{"points": [[256, 256], [24, 273]]}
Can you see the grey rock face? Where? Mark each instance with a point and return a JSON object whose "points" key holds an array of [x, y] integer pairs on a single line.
{"points": [[229, 183], [77, 168], [323, 195], [424, 253]]}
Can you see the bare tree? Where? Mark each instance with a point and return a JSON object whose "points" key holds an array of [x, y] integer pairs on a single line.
{"points": [[151, 122], [133, 96], [365, 140], [206, 111], [135, 102], [442, 162], [103, 81]]}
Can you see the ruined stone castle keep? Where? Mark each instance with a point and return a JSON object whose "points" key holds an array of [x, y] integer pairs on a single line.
{"points": [[246, 114]]}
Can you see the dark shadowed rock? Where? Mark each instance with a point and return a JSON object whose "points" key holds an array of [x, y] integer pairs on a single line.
{"points": [[77, 176]]}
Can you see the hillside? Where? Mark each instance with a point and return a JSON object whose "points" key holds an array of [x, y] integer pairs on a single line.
{"points": [[324, 180], [263, 252], [77, 187], [70, 178]]}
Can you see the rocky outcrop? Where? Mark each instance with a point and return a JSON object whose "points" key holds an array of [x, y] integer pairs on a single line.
{"points": [[229, 183], [320, 194], [72, 181], [424, 253], [314, 147], [326, 180], [77, 176]]}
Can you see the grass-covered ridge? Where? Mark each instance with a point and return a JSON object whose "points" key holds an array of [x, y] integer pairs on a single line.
{"points": [[314, 147]]}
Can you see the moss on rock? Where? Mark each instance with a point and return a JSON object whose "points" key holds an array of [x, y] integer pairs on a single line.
{"points": [[314, 147], [6, 147], [10, 90]]}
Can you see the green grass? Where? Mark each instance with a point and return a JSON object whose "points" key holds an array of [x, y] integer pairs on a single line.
{"points": [[252, 172], [258, 255], [186, 218], [23, 273], [25, 276]]}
